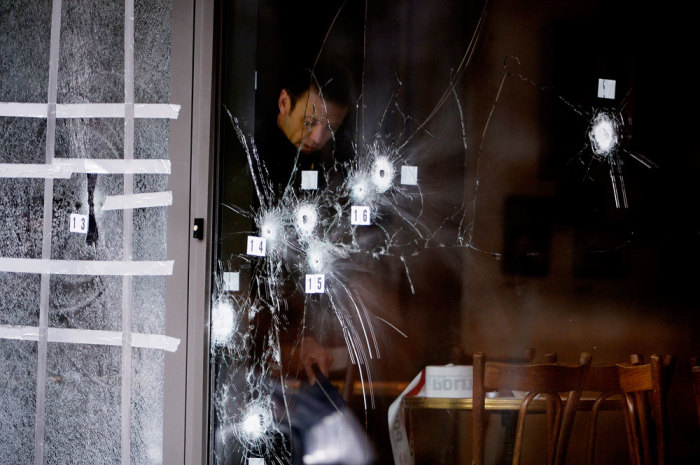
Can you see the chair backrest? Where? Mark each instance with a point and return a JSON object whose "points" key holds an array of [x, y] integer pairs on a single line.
{"points": [[604, 381], [695, 377], [548, 379], [644, 388], [527, 356]]}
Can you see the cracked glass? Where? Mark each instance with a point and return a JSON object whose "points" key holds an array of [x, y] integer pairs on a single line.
{"points": [[489, 189]]}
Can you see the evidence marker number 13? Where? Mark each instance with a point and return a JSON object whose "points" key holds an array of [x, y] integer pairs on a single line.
{"points": [[78, 223]]}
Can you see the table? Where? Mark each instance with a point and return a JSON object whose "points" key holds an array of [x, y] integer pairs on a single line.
{"points": [[506, 406], [503, 403]]}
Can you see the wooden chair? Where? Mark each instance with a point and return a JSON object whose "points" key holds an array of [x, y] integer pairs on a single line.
{"points": [[508, 419], [549, 379], [644, 388], [604, 381], [695, 377], [464, 358]]}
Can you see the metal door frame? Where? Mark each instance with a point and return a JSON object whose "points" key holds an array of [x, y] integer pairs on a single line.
{"points": [[186, 398]]}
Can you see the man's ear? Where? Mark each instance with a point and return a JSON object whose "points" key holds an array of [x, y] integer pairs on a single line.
{"points": [[284, 103]]}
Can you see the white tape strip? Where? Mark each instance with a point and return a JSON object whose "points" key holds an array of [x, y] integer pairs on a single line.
{"points": [[156, 110], [86, 267], [89, 110], [127, 234], [400, 446], [154, 341], [26, 170], [89, 336], [118, 166], [44, 290], [24, 110], [145, 200], [63, 168]]}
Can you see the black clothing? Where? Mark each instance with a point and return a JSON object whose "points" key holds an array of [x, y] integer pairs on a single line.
{"points": [[279, 155]]}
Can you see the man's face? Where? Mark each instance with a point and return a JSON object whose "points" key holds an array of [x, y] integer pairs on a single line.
{"points": [[310, 123]]}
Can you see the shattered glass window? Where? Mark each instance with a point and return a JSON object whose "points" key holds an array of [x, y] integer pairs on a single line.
{"points": [[84, 198], [499, 180]]}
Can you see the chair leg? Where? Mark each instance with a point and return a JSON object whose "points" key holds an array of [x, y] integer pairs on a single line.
{"points": [[631, 428], [508, 420]]}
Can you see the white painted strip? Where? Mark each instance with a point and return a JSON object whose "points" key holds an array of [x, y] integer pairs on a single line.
{"points": [[89, 110], [28, 170], [145, 200], [113, 166], [86, 267], [89, 336]]}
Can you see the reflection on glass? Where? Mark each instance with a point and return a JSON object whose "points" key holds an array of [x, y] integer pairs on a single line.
{"points": [[475, 202]]}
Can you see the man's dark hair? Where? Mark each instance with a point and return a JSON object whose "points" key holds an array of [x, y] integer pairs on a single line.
{"points": [[330, 78]]}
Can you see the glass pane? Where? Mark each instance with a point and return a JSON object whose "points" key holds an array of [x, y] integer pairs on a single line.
{"points": [[21, 306], [85, 194], [83, 396], [21, 204], [149, 305], [151, 138], [150, 227], [147, 406], [91, 64], [86, 302], [17, 400], [152, 27], [89, 138], [22, 140], [149, 240], [25, 28], [83, 392], [549, 202]]}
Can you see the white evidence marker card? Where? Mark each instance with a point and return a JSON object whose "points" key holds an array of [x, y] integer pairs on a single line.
{"points": [[256, 246], [232, 281], [315, 283], [606, 88], [409, 175], [309, 180], [256, 461], [78, 223], [360, 216]]}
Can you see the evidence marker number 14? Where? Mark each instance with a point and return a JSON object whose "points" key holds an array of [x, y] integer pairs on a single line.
{"points": [[256, 246]]}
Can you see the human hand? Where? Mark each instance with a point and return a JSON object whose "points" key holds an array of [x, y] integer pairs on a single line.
{"points": [[313, 353]]}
